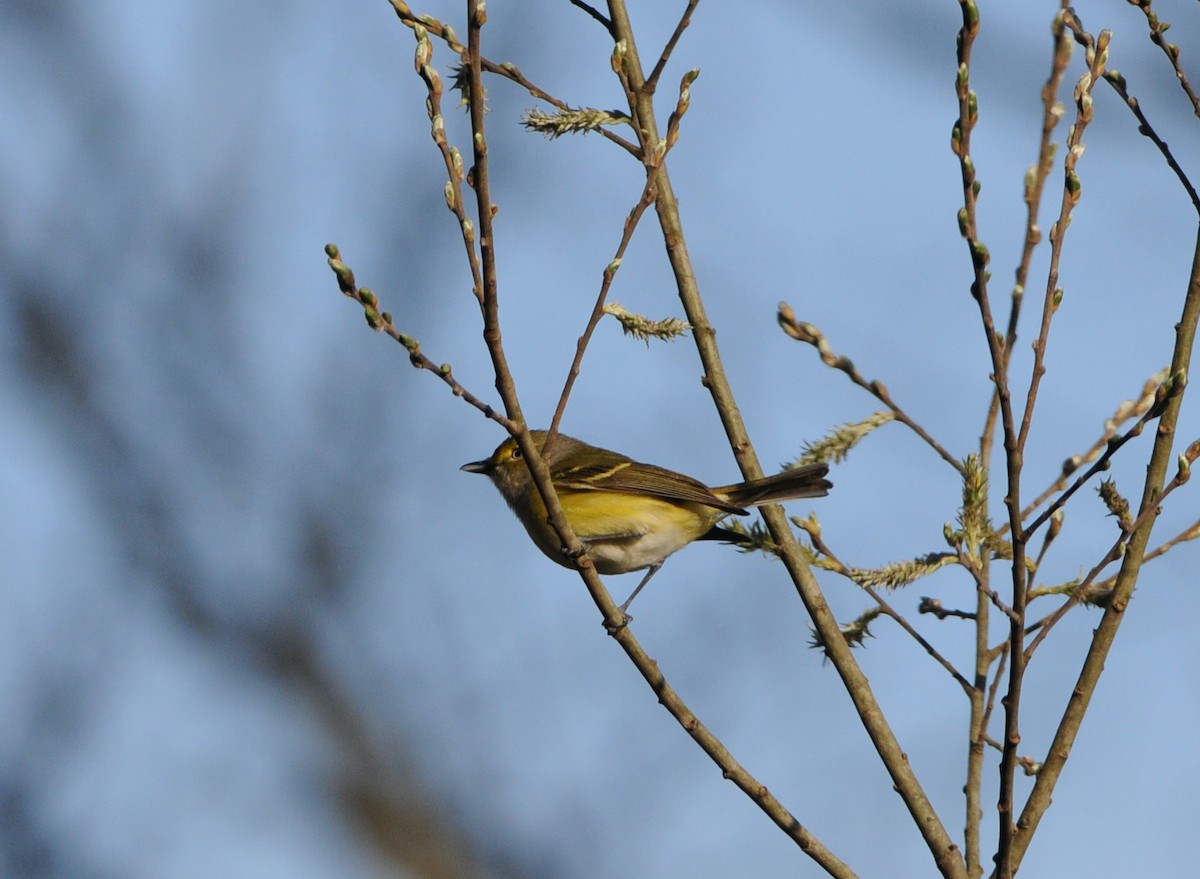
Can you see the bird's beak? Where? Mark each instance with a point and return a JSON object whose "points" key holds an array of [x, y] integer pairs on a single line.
{"points": [[484, 467]]}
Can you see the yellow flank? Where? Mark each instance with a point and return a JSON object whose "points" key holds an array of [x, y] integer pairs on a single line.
{"points": [[622, 531]]}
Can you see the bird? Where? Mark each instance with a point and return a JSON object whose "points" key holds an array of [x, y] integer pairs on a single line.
{"points": [[630, 516]]}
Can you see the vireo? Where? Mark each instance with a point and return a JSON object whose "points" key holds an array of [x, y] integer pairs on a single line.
{"points": [[630, 516]]}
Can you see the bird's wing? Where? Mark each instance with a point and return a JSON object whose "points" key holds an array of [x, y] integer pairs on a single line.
{"points": [[631, 477]]}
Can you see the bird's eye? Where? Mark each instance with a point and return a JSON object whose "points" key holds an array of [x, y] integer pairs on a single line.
{"points": [[516, 453]]}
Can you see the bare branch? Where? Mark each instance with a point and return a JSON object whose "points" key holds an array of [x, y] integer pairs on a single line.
{"points": [[809, 334], [684, 21]]}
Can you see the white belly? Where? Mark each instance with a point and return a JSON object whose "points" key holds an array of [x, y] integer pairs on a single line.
{"points": [[623, 554]]}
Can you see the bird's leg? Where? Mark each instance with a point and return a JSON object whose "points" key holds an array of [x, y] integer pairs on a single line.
{"points": [[628, 601]]}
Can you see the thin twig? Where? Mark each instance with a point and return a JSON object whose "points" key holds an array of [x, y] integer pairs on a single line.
{"points": [[814, 534], [1126, 410], [451, 157], [1035, 187], [635, 215], [981, 586], [934, 607], [1116, 551], [920, 639], [596, 14], [806, 332], [1001, 651], [381, 321], [644, 201], [1101, 590], [1030, 765], [1190, 533], [1097, 58], [1117, 81], [684, 20], [1169, 388], [505, 69], [1157, 29]]}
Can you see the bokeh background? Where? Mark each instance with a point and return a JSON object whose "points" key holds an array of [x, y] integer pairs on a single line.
{"points": [[255, 623]]}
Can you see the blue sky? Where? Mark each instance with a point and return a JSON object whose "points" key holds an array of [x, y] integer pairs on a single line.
{"points": [[246, 583]]}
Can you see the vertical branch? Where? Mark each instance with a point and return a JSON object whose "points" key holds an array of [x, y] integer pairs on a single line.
{"points": [[945, 853], [976, 731], [968, 114], [1097, 59], [480, 180], [1035, 184]]}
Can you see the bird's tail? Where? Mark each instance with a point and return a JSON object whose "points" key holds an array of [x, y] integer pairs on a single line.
{"points": [[807, 480]]}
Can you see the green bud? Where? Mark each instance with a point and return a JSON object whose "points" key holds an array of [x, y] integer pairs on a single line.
{"points": [[970, 14], [1074, 186], [1085, 108], [979, 253]]}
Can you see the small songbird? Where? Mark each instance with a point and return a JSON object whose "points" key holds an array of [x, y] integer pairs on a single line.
{"points": [[630, 516]]}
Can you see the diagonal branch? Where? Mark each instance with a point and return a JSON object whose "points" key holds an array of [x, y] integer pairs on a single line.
{"points": [[1158, 28], [1119, 85], [614, 619], [594, 13], [945, 852], [684, 21], [806, 332]]}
